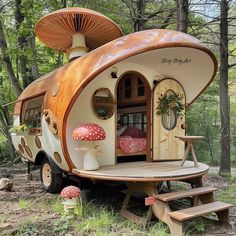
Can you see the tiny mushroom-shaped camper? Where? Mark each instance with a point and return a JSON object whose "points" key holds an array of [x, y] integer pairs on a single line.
{"points": [[88, 133], [124, 80], [71, 194]]}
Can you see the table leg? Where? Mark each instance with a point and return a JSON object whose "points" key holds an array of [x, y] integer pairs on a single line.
{"points": [[186, 153], [150, 188], [194, 156]]}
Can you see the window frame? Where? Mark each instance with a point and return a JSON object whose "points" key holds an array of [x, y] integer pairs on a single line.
{"points": [[143, 122], [133, 88], [39, 108], [110, 104]]}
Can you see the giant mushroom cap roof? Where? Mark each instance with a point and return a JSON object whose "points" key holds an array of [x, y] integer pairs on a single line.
{"points": [[57, 28]]}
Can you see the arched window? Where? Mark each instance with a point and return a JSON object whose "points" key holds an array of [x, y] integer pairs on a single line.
{"points": [[131, 89]]}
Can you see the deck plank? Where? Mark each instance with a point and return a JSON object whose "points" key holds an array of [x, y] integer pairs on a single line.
{"points": [[166, 197], [141, 171], [193, 212]]}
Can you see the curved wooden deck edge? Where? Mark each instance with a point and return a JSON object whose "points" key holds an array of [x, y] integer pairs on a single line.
{"points": [[97, 176], [135, 179]]}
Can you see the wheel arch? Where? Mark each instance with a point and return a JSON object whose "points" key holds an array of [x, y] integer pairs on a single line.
{"points": [[41, 156]]}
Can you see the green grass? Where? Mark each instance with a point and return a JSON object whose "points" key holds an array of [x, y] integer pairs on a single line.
{"points": [[56, 205], [28, 228], [91, 219], [33, 228], [159, 229], [99, 221], [228, 194], [103, 221], [94, 220], [24, 203], [195, 226]]}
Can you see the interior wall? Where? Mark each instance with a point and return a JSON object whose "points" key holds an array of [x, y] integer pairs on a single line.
{"points": [[186, 65], [82, 112]]}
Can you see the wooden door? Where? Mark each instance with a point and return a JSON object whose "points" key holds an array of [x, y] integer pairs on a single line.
{"points": [[166, 126]]}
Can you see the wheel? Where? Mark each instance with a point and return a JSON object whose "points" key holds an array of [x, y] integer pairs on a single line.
{"points": [[51, 181]]}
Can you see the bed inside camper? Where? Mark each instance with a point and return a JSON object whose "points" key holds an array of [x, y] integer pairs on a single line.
{"points": [[133, 125]]}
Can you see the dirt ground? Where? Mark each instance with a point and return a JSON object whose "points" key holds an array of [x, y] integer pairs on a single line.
{"points": [[14, 210]]}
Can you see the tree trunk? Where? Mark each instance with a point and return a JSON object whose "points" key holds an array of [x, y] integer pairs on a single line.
{"points": [[182, 15], [139, 22], [25, 72], [209, 143], [34, 66], [5, 121], [7, 62], [224, 101], [64, 3], [12, 153]]}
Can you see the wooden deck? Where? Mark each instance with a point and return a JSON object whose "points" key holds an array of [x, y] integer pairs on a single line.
{"points": [[144, 177], [145, 171]]}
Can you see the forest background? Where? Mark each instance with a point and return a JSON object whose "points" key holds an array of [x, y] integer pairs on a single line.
{"points": [[23, 59]]}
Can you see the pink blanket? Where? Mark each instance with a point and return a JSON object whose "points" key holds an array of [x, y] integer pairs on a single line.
{"points": [[131, 145]]}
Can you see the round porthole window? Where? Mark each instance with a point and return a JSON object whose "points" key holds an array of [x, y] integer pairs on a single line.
{"points": [[169, 119], [103, 103]]}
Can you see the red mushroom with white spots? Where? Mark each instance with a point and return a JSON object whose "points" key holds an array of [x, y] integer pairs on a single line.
{"points": [[71, 194], [88, 133]]}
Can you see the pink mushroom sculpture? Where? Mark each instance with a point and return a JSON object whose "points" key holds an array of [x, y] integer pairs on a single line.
{"points": [[71, 194], [88, 134]]}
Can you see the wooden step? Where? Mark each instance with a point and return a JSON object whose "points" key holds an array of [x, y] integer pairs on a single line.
{"points": [[193, 212], [166, 197]]}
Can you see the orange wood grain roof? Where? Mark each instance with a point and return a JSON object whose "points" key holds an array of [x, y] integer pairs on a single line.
{"points": [[56, 29], [74, 76]]}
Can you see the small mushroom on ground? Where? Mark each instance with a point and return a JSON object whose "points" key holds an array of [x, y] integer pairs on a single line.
{"points": [[71, 195], [88, 133]]}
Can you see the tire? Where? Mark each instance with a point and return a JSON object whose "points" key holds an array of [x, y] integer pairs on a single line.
{"points": [[51, 181]]}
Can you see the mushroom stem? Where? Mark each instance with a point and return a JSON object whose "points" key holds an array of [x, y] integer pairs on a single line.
{"points": [[69, 203], [78, 47], [89, 161]]}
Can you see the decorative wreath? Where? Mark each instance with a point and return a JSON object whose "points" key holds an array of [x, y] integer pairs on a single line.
{"points": [[172, 101]]}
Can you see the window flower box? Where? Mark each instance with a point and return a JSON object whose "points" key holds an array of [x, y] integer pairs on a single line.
{"points": [[24, 130], [19, 130]]}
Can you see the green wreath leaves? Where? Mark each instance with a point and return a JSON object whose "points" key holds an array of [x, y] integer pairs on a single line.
{"points": [[167, 102]]}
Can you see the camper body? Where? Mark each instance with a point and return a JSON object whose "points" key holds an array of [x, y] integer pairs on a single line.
{"points": [[118, 113], [132, 74]]}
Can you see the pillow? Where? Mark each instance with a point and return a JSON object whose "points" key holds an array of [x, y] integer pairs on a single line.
{"points": [[121, 130], [134, 132]]}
